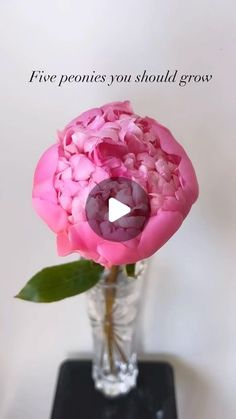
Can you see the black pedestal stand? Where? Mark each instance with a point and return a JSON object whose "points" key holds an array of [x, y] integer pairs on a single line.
{"points": [[76, 398]]}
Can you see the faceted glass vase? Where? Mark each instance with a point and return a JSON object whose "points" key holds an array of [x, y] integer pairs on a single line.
{"points": [[112, 308]]}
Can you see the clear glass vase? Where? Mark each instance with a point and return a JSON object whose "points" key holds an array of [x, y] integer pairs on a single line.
{"points": [[112, 309]]}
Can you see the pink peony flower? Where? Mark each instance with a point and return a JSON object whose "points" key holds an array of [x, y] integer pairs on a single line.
{"points": [[108, 142]]}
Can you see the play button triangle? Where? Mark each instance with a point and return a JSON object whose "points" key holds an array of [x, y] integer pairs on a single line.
{"points": [[116, 209]]}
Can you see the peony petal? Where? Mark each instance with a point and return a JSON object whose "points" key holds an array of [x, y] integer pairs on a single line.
{"points": [[54, 215], [83, 239], [99, 175], [158, 231], [190, 185], [85, 118], [112, 111], [117, 253], [123, 107], [171, 146], [63, 244], [83, 168], [43, 186]]}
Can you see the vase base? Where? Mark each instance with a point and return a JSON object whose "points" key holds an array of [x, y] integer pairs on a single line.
{"points": [[112, 386]]}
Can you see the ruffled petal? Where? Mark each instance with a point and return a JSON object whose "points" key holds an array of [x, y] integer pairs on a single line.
{"points": [[170, 145]]}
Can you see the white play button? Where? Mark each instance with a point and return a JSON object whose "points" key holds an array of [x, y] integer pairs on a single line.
{"points": [[116, 209]]}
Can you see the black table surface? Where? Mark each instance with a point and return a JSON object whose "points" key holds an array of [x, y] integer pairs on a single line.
{"points": [[76, 397]]}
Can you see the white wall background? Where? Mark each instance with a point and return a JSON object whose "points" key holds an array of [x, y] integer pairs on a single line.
{"points": [[189, 310]]}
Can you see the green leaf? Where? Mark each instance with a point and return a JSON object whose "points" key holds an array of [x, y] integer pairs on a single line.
{"points": [[57, 282], [130, 269]]}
